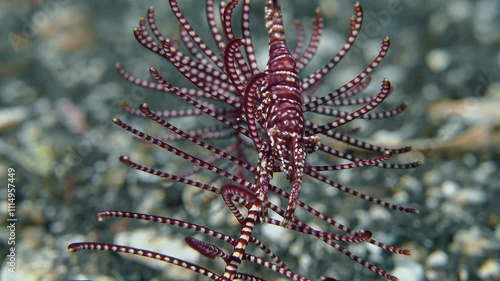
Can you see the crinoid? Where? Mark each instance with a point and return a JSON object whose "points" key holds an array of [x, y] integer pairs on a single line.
{"points": [[261, 112]]}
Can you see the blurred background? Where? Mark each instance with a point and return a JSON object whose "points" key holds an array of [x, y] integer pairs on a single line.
{"points": [[59, 91]]}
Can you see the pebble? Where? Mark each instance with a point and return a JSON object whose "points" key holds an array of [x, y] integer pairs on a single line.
{"points": [[380, 213], [276, 234], [431, 177], [470, 242], [150, 239], [470, 195], [489, 270], [115, 177], [151, 202], [458, 187], [409, 271], [438, 23], [438, 60], [431, 275], [12, 116], [485, 172], [460, 10], [72, 116], [17, 92], [60, 30], [36, 153], [32, 264], [437, 259]]}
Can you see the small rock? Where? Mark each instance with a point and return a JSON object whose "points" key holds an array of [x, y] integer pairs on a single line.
{"points": [[470, 242], [468, 196], [409, 271], [449, 189], [460, 10], [150, 239], [437, 259], [72, 116], [489, 270], [438, 60]]}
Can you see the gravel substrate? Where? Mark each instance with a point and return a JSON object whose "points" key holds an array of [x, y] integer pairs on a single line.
{"points": [[59, 91]]}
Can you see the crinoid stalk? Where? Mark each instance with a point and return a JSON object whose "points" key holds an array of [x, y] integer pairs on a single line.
{"points": [[261, 112]]}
